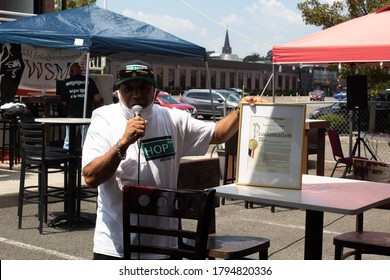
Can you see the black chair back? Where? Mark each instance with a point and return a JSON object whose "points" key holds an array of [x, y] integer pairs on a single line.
{"points": [[32, 139], [157, 203]]}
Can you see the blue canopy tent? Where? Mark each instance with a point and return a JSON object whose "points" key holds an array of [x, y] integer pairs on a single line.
{"points": [[97, 31]]}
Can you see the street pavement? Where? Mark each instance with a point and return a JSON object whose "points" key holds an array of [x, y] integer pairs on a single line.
{"points": [[285, 227]]}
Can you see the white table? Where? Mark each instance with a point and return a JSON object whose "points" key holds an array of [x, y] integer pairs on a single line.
{"points": [[73, 123], [318, 195]]}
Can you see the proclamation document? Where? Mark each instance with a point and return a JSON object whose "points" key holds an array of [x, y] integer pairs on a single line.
{"points": [[270, 145]]}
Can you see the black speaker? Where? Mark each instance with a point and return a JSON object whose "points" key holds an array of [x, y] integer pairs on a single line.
{"points": [[357, 92]]}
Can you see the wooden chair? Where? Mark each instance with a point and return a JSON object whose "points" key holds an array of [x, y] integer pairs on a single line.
{"points": [[362, 241], [204, 173], [338, 155], [144, 206], [43, 160]]}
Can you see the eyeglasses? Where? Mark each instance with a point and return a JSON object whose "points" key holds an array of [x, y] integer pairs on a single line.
{"points": [[136, 72]]}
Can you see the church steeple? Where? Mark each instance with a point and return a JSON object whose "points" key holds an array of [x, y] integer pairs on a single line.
{"points": [[226, 47]]}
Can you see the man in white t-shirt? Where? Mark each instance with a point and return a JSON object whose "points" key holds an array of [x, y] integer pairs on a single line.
{"points": [[120, 147]]}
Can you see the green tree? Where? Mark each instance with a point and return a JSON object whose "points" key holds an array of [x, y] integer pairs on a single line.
{"points": [[326, 15], [70, 4], [269, 55], [209, 53], [253, 57], [257, 57]]}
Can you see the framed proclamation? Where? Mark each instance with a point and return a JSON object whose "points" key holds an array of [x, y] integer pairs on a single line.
{"points": [[270, 144]]}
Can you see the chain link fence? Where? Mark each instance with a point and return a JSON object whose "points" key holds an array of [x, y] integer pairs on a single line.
{"points": [[369, 129]]}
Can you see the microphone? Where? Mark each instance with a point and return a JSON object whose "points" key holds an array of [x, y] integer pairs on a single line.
{"points": [[137, 110], [137, 113]]}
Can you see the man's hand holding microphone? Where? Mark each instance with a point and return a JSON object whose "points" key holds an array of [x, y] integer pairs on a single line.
{"points": [[135, 129]]}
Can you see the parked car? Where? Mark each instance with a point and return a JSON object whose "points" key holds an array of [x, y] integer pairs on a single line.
{"points": [[164, 99], [340, 109], [340, 95], [317, 95], [336, 108], [200, 98], [238, 92], [232, 95]]}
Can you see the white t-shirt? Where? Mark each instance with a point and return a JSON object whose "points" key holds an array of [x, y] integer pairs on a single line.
{"points": [[170, 135]]}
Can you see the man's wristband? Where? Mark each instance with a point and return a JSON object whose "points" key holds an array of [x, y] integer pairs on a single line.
{"points": [[237, 109], [118, 150]]}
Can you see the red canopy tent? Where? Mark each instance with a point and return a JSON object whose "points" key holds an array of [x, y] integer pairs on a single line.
{"points": [[361, 40]]}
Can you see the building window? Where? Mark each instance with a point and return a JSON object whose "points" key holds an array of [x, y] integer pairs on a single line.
{"points": [[257, 83], [240, 79], [203, 79], [294, 83], [171, 78], [223, 80], [213, 78], [265, 79], [160, 77], [287, 86], [249, 81], [231, 80], [280, 81], [193, 79], [183, 79]]}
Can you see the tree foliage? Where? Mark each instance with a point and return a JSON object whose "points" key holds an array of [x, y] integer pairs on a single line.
{"points": [[253, 57], [70, 4], [326, 15], [257, 57]]}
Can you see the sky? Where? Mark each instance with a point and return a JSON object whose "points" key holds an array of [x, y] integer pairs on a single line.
{"points": [[254, 25]]}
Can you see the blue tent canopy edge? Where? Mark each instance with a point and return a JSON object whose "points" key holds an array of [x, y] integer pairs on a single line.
{"points": [[100, 32]]}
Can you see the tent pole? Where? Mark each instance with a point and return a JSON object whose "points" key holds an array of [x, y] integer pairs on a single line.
{"points": [[209, 86], [273, 83], [85, 97], [266, 85], [86, 85]]}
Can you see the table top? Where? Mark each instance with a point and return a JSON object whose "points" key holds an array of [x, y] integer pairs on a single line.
{"points": [[319, 193], [64, 120], [41, 99], [310, 124]]}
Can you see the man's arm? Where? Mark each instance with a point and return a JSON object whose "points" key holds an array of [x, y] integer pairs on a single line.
{"points": [[225, 128], [97, 101], [102, 168]]}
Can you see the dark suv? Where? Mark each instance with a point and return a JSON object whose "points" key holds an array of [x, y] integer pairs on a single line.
{"points": [[223, 102]]}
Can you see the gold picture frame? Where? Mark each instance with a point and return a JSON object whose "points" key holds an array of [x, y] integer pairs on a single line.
{"points": [[270, 144]]}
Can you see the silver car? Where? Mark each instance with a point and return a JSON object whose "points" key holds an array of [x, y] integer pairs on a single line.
{"points": [[223, 102]]}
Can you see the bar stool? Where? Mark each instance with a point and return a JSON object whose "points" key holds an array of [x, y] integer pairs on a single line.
{"points": [[83, 193], [37, 158], [10, 144]]}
